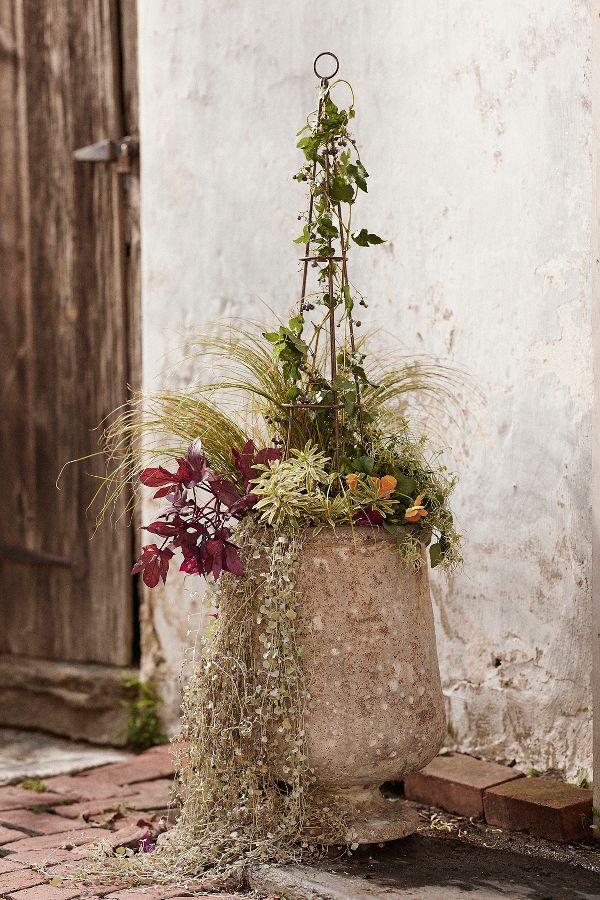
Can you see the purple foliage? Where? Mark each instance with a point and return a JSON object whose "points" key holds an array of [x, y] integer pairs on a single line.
{"points": [[368, 517], [201, 503]]}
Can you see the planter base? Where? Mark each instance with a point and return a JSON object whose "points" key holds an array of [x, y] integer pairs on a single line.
{"points": [[376, 820], [371, 819]]}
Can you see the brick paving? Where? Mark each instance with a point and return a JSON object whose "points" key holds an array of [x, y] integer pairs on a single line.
{"points": [[116, 803], [120, 802]]}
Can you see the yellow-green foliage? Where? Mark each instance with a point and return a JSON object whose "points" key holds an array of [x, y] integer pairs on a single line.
{"points": [[248, 399]]}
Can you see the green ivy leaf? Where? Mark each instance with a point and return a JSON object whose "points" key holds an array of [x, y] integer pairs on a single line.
{"points": [[361, 238], [341, 383], [405, 485], [326, 228], [340, 190], [304, 238], [296, 324], [359, 174], [364, 464], [364, 239]]}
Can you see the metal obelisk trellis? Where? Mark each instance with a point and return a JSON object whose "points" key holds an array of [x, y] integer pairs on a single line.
{"points": [[330, 170]]}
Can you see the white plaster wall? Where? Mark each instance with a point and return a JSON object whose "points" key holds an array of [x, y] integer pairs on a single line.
{"points": [[474, 120]]}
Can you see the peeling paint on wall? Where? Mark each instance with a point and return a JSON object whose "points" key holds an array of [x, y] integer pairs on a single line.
{"points": [[475, 122]]}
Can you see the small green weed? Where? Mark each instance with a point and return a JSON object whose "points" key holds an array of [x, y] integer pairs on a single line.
{"points": [[583, 780], [143, 728], [33, 784]]}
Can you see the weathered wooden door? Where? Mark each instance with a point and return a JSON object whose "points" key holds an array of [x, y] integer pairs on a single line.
{"points": [[69, 256]]}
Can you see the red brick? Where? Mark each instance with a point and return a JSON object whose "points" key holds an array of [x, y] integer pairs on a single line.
{"points": [[152, 794], [9, 864], [80, 787], [94, 807], [34, 823], [154, 763], [7, 835], [18, 798], [64, 840], [23, 878], [86, 890], [456, 782], [38, 857], [47, 892], [545, 808], [128, 836]]}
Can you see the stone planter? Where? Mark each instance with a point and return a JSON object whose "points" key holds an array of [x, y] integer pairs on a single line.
{"points": [[377, 709]]}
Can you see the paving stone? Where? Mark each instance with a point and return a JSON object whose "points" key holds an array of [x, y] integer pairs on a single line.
{"points": [[545, 808], [8, 835], [22, 878], [152, 764], [37, 857], [47, 892], [152, 794], [9, 864], [83, 787], [65, 871], [457, 782], [128, 836], [89, 808], [64, 840], [34, 823], [19, 798]]}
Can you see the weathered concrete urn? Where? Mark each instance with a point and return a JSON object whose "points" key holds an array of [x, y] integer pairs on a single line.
{"points": [[377, 712]]}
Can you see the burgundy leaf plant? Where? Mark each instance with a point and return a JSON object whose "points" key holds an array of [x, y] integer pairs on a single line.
{"points": [[202, 505]]}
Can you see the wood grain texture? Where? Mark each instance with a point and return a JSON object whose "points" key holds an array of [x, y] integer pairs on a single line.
{"points": [[65, 353]]}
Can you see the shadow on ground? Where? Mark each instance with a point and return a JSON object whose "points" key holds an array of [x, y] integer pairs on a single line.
{"points": [[430, 869]]}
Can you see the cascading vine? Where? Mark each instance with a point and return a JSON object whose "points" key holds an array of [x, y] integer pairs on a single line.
{"points": [[244, 781]]}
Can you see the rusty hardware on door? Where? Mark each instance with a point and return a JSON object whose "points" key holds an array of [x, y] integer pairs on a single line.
{"points": [[120, 152]]}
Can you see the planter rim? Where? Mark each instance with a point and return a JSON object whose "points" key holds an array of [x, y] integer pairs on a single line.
{"points": [[358, 534]]}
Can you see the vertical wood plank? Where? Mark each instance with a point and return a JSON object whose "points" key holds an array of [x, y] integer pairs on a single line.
{"points": [[17, 512], [76, 369]]}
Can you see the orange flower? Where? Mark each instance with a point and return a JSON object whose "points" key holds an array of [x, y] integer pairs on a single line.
{"points": [[352, 481], [387, 485], [417, 511]]}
